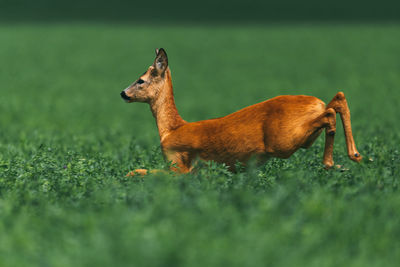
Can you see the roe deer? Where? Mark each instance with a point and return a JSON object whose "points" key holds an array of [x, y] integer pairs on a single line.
{"points": [[274, 128]]}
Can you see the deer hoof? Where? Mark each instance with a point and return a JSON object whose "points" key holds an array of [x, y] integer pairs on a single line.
{"points": [[356, 157], [328, 165], [137, 172]]}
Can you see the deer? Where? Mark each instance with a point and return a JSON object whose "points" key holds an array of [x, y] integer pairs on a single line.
{"points": [[276, 127]]}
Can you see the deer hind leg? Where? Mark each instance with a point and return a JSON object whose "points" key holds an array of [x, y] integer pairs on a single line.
{"points": [[339, 104], [330, 132], [327, 121]]}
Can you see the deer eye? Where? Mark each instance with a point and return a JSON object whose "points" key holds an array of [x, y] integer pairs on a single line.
{"points": [[140, 81]]}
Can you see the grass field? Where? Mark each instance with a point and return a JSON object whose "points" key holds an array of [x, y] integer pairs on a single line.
{"points": [[67, 140]]}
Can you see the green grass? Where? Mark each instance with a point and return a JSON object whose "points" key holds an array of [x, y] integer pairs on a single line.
{"points": [[67, 140]]}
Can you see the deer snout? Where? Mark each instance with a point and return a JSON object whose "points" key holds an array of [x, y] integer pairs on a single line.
{"points": [[124, 96]]}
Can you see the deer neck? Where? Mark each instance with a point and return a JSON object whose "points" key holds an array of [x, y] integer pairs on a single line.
{"points": [[164, 109]]}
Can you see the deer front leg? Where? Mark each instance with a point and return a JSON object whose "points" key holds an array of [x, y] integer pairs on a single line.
{"points": [[180, 163], [143, 172]]}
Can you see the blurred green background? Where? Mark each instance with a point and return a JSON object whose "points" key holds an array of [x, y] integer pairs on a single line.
{"points": [[206, 11], [67, 138]]}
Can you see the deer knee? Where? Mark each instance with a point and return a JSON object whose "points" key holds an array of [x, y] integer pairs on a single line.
{"points": [[330, 112], [340, 96], [330, 115], [331, 121]]}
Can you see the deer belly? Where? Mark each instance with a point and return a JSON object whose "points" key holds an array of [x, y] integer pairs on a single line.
{"points": [[287, 140], [232, 147]]}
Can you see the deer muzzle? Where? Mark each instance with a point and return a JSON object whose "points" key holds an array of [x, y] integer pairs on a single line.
{"points": [[124, 96]]}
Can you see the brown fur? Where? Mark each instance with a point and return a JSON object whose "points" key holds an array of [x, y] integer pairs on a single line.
{"points": [[277, 127]]}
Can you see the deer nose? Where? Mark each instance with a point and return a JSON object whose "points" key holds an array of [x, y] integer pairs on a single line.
{"points": [[124, 96]]}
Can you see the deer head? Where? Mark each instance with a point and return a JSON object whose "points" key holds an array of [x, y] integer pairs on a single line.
{"points": [[149, 85]]}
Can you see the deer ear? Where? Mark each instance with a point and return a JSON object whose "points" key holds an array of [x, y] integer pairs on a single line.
{"points": [[161, 61]]}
